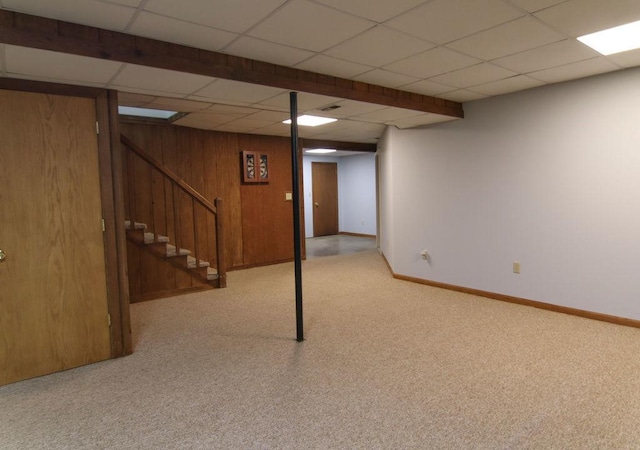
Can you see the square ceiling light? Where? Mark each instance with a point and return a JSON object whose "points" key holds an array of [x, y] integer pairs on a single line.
{"points": [[311, 121], [146, 112], [614, 40]]}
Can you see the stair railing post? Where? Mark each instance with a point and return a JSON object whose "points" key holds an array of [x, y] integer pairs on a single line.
{"points": [[220, 261]]}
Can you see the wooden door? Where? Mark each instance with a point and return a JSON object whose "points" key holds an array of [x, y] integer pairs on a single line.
{"points": [[53, 302], [325, 198]]}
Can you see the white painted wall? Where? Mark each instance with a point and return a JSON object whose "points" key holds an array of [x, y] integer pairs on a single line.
{"points": [[549, 177], [356, 192]]}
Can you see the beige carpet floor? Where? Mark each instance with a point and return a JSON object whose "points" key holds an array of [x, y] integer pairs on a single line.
{"points": [[386, 365]]}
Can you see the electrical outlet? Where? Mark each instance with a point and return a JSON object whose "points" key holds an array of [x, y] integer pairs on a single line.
{"points": [[516, 267]]}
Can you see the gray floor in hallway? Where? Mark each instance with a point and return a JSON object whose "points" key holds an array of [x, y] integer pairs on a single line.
{"points": [[339, 244]]}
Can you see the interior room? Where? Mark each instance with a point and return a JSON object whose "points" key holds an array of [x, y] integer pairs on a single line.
{"points": [[477, 166]]}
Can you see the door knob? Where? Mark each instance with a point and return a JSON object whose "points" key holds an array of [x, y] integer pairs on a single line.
{"points": [[317, 204], [2, 255]]}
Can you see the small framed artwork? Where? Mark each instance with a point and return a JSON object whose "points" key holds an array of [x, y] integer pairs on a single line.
{"points": [[255, 167]]}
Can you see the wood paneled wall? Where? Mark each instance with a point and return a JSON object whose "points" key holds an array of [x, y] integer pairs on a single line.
{"points": [[258, 222]]}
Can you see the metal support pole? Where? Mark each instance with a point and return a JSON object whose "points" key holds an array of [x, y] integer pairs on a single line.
{"points": [[297, 243]]}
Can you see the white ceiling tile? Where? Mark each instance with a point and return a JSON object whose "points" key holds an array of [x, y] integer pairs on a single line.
{"points": [[131, 3], [579, 17], [443, 21], [472, 76], [535, 5], [378, 11], [426, 87], [58, 66], [234, 127], [350, 108], [52, 80], [517, 83], [332, 66], [506, 39], [580, 69], [278, 129], [238, 92], [432, 62], [86, 12], [388, 115], [385, 78], [306, 101], [379, 46], [309, 26], [160, 80], [204, 120], [231, 109], [559, 53], [260, 50], [236, 16], [180, 32], [270, 116], [626, 59], [178, 104], [248, 123], [421, 120], [462, 96], [2, 60], [130, 99]]}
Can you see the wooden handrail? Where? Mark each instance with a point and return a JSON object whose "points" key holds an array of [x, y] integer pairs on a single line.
{"points": [[168, 173], [216, 209]]}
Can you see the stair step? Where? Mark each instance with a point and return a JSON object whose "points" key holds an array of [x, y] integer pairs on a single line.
{"points": [[172, 251], [150, 238], [191, 263], [212, 273], [136, 225]]}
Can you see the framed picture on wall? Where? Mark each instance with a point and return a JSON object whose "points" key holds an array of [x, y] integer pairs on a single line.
{"points": [[255, 167]]}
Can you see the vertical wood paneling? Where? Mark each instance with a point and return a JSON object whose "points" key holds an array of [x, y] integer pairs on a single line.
{"points": [[257, 220]]}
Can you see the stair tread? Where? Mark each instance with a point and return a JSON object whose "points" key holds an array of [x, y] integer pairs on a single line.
{"points": [[173, 251]]}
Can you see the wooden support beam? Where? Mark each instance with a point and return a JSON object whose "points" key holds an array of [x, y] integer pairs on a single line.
{"points": [[49, 34], [338, 145]]}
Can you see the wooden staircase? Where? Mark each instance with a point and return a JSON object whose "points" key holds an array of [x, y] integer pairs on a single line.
{"points": [[170, 219], [181, 258]]}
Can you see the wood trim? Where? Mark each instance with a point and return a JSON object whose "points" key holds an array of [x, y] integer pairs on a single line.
{"points": [[119, 216], [42, 87], [521, 301], [338, 145], [49, 34], [347, 233]]}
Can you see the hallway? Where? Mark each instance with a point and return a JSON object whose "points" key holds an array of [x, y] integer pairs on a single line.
{"points": [[339, 244]]}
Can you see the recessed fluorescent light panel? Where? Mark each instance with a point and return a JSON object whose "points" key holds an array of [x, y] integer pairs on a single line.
{"points": [[321, 150], [146, 112], [614, 40], [312, 121]]}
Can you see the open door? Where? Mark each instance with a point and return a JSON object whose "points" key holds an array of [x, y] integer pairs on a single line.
{"points": [[325, 198], [53, 295]]}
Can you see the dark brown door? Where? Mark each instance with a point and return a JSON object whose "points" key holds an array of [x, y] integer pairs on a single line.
{"points": [[53, 294], [325, 198]]}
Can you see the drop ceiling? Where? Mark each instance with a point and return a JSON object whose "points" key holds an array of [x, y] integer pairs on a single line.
{"points": [[459, 50]]}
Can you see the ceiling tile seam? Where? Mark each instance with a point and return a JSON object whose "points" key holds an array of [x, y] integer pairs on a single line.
{"points": [[246, 32], [385, 67], [434, 45], [135, 16]]}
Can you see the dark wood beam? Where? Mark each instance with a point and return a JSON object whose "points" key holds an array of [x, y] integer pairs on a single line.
{"points": [[65, 37], [338, 145]]}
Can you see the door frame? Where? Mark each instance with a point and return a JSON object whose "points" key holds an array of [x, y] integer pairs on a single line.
{"points": [[111, 193]]}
